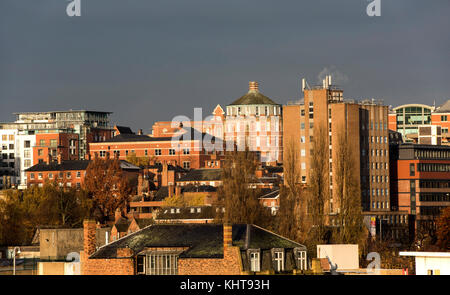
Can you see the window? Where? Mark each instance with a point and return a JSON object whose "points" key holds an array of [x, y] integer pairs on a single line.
{"points": [[302, 139], [146, 152], [40, 152], [39, 175], [171, 151], [31, 175], [301, 260], [187, 165], [53, 142], [302, 126], [444, 118], [185, 151], [50, 175], [42, 142], [11, 146], [254, 261], [69, 175], [11, 137], [102, 154], [162, 264], [78, 174], [411, 169], [279, 260], [26, 154], [27, 163]]}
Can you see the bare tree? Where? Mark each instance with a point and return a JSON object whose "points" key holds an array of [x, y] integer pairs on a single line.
{"points": [[318, 187], [347, 192], [290, 215], [236, 194]]}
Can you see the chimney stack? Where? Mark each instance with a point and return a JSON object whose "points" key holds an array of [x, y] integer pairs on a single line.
{"points": [[253, 86], [177, 190], [247, 236], [89, 240], [140, 132], [170, 190], [49, 159], [227, 235], [59, 158]]}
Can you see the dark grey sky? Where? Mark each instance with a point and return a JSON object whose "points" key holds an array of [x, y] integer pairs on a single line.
{"points": [[152, 60]]}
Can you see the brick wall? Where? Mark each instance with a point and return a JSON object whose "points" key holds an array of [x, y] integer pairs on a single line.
{"points": [[119, 266], [230, 265]]}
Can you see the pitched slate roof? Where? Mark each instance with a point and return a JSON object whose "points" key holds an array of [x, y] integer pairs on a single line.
{"points": [[188, 134], [203, 240], [202, 175], [71, 165], [124, 130], [253, 97], [64, 166], [122, 224]]}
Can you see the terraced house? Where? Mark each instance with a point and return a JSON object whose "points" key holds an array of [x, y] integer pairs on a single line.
{"points": [[192, 249]]}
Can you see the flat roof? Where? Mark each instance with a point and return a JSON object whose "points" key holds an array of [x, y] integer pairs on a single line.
{"points": [[425, 254], [69, 111]]}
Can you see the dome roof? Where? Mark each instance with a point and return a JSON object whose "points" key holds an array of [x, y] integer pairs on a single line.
{"points": [[253, 97]]}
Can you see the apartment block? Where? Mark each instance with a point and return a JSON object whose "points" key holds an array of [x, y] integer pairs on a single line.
{"points": [[324, 111]]}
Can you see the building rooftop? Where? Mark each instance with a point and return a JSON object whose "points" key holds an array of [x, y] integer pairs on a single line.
{"points": [[253, 97], [444, 108], [193, 212], [202, 240], [202, 175], [74, 165], [189, 134]]}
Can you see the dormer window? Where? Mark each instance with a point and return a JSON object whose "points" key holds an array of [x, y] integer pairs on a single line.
{"points": [[255, 261], [300, 256], [278, 259]]}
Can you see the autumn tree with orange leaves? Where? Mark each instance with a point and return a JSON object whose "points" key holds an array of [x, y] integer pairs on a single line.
{"points": [[107, 186], [443, 230]]}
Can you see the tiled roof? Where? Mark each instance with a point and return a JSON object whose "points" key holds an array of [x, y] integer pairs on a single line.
{"points": [[64, 166], [202, 175], [253, 97], [203, 240]]}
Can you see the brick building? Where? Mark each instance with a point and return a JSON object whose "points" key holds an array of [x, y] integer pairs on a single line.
{"points": [[69, 173], [54, 144], [189, 149], [192, 249], [323, 109], [407, 119], [420, 181]]}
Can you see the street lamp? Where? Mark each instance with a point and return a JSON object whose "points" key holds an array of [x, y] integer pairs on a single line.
{"points": [[14, 259]]}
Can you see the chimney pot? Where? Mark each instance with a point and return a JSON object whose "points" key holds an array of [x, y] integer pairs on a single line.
{"points": [[253, 86]]}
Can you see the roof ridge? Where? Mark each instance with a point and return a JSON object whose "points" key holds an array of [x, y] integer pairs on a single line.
{"points": [[271, 232]]}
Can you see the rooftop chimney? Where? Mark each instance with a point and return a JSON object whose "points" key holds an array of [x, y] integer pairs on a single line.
{"points": [[49, 159], [227, 235], [89, 240], [253, 86], [140, 132], [59, 158]]}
